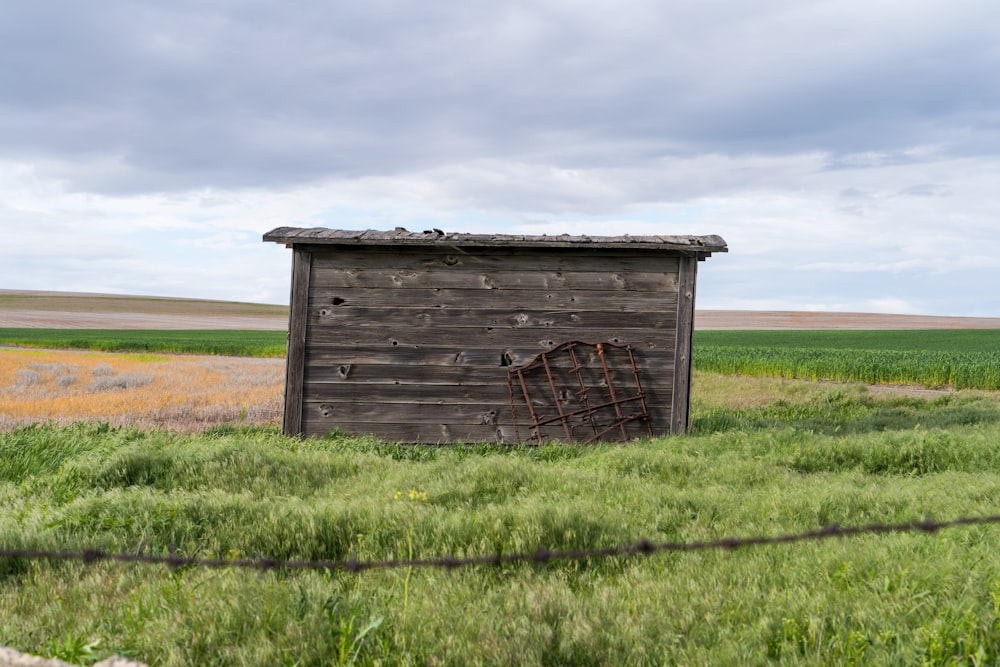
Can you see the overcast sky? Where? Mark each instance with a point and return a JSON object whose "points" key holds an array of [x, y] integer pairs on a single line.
{"points": [[848, 151]]}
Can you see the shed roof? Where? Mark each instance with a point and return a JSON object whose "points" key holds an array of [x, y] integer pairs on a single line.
{"points": [[702, 246]]}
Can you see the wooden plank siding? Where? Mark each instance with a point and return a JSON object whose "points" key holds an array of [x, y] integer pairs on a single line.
{"points": [[425, 307], [681, 410], [297, 334], [414, 342]]}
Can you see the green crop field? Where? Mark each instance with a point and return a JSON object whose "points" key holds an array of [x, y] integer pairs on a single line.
{"points": [[804, 455], [964, 359], [216, 341], [925, 340]]}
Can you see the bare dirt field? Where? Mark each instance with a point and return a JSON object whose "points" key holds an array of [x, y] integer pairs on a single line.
{"points": [[745, 319], [73, 310]]}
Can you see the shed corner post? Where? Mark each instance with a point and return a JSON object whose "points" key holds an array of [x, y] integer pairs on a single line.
{"points": [[680, 413], [291, 423]]}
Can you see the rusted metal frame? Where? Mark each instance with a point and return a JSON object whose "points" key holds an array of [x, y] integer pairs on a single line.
{"points": [[583, 411], [635, 416], [513, 411], [527, 401], [599, 406], [611, 387], [583, 394], [555, 397], [617, 402], [638, 387], [537, 363], [589, 410]]}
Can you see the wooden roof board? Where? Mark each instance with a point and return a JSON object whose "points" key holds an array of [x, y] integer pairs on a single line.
{"points": [[291, 236]]}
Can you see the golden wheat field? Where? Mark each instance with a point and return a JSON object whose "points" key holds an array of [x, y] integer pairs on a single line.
{"points": [[180, 392]]}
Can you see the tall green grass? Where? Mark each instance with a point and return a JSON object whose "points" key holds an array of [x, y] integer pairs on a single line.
{"points": [[249, 343], [923, 340], [961, 370], [793, 464], [960, 359]]}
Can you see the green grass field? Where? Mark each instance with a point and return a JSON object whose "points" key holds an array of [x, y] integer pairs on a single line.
{"points": [[927, 340], [964, 359], [223, 342], [804, 456], [795, 456]]}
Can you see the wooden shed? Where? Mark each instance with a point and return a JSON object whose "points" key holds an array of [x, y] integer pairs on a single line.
{"points": [[433, 337]]}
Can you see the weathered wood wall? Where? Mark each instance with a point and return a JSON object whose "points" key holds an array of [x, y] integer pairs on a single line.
{"points": [[414, 343]]}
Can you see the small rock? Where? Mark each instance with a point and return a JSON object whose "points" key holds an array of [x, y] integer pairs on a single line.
{"points": [[11, 658]]}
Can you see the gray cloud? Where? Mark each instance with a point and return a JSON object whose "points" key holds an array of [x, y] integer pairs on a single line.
{"points": [[845, 149], [135, 97]]}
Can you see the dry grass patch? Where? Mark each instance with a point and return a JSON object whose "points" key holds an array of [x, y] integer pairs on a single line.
{"points": [[179, 392], [740, 392]]}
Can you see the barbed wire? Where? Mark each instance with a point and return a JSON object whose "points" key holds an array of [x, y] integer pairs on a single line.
{"points": [[539, 556]]}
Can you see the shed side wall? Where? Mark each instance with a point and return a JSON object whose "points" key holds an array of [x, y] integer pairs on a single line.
{"points": [[687, 278], [414, 344], [298, 318]]}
